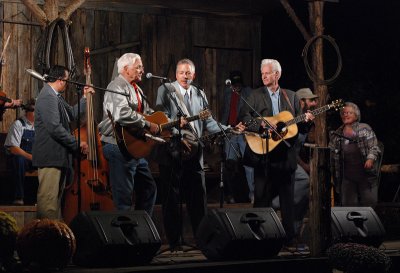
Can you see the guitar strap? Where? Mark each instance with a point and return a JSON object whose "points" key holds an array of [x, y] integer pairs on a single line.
{"points": [[182, 105], [287, 99]]}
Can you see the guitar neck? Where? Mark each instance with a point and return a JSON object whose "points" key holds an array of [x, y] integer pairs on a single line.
{"points": [[314, 112], [169, 125]]}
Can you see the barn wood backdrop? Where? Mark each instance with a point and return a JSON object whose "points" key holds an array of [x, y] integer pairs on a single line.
{"points": [[218, 38]]}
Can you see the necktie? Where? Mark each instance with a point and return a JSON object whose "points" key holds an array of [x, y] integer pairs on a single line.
{"points": [[139, 107], [187, 100]]}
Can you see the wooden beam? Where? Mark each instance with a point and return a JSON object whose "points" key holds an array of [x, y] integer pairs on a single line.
{"points": [[71, 8], [50, 8], [113, 48], [296, 20], [37, 12]]}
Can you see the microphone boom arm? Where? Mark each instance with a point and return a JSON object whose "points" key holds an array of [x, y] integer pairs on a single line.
{"points": [[79, 85]]}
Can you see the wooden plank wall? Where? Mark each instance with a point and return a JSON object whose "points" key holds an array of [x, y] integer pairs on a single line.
{"points": [[216, 44]]}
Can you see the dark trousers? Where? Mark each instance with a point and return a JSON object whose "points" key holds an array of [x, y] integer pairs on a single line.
{"points": [[267, 185], [184, 183], [20, 165]]}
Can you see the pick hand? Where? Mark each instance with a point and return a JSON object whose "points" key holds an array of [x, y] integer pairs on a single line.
{"points": [[154, 128], [240, 127], [88, 89], [84, 148]]}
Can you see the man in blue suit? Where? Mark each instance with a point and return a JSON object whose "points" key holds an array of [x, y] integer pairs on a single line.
{"points": [[186, 175]]}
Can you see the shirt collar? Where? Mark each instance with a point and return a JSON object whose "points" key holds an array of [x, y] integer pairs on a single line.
{"points": [[277, 92], [56, 92], [183, 90]]}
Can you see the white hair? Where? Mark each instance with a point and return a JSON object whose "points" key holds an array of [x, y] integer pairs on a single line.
{"points": [[186, 61], [355, 109], [126, 60], [274, 63]]}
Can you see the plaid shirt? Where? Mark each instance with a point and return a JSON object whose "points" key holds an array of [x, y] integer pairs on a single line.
{"points": [[367, 143]]}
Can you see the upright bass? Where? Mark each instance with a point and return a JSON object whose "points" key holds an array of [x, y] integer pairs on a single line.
{"points": [[93, 190]]}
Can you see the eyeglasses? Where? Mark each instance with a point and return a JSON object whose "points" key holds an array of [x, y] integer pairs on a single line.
{"points": [[139, 67], [347, 113], [268, 73]]}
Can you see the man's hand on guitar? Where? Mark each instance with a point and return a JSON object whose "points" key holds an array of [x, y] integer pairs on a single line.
{"points": [[13, 103], [84, 148], [240, 127], [309, 116], [183, 122], [154, 128]]}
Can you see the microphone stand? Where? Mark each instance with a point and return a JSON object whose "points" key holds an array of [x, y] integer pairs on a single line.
{"points": [[79, 88], [266, 135], [221, 146], [179, 161]]}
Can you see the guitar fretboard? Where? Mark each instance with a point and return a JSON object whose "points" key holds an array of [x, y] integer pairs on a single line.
{"points": [[171, 124], [314, 112]]}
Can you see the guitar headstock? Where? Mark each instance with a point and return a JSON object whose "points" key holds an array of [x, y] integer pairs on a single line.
{"points": [[205, 114], [337, 104]]}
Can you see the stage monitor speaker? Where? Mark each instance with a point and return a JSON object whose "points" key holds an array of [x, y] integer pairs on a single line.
{"points": [[358, 225], [240, 233], [115, 238]]}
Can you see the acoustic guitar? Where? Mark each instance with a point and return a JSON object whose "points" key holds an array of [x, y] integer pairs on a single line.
{"points": [[139, 142], [286, 127]]}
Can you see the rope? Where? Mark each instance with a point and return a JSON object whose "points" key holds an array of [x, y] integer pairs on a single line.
{"points": [[311, 73], [46, 45]]}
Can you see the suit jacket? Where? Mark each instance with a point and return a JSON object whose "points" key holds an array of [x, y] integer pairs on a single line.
{"points": [[54, 143], [164, 103], [123, 108], [281, 157]]}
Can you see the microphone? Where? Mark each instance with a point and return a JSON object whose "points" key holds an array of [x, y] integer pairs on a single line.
{"points": [[342, 136], [310, 145], [149, 76], [228, 82], [37, 75], [158, 139]]}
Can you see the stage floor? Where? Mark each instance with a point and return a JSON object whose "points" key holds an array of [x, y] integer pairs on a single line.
{"points": [[193, 261]]}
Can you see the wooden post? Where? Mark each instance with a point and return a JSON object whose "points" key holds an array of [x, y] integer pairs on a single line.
{"points": [[319, 176], [319, 221]]}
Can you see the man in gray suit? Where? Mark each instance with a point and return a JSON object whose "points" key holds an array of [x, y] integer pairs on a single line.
{"points": [[186, 175], [274, 173], [54, 144], [128, 174]]}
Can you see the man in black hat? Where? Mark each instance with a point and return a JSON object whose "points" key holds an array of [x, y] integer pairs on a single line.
{"points": [[308, 102], [233, 95]]}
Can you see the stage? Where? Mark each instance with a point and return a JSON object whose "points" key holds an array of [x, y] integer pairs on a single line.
{"points": [[194, 262]]}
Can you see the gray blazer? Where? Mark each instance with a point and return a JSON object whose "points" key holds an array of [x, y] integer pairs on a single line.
{"points": [[54, 143], [165, 104], [122, 108]]}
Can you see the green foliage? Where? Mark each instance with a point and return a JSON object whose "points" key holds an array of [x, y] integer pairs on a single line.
{"points": [[8, 236]]}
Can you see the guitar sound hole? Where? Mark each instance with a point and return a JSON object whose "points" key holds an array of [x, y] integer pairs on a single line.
{"points": [[281, 128]]}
